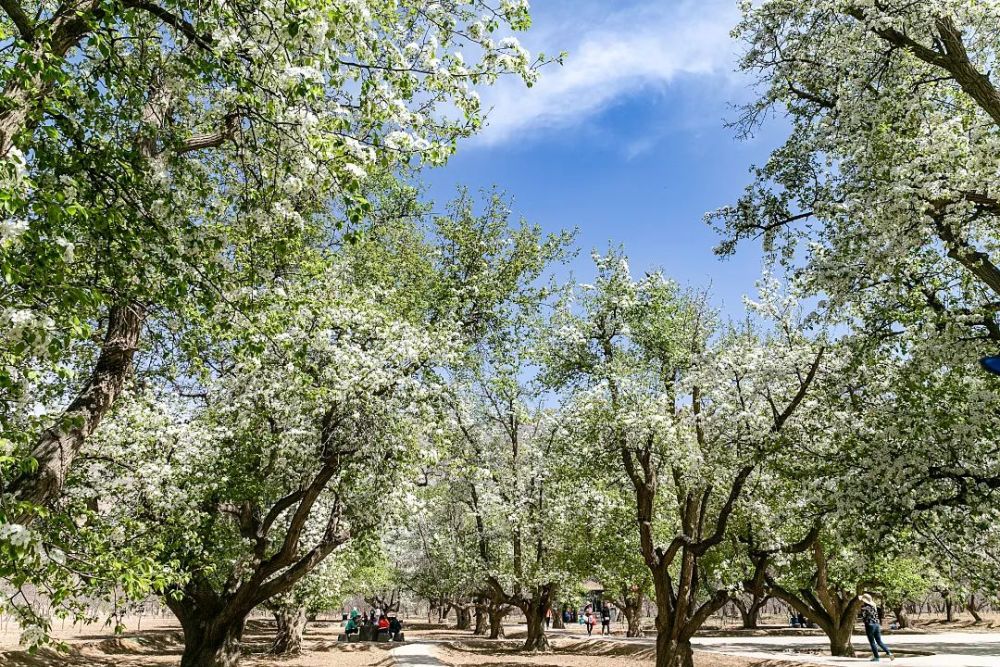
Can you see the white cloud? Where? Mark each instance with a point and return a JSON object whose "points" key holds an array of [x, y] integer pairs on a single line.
{"points": [[610, 56]]}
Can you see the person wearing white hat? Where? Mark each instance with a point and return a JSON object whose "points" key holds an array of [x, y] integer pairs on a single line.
{"points": [[873, 626]]}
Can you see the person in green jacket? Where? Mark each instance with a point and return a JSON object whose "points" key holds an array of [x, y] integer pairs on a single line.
{"points": [[352, 623]]}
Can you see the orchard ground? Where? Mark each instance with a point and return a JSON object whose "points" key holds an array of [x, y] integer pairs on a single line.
{"points": [[158, 642]]}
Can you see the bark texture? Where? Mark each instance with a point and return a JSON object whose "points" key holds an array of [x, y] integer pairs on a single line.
{"points": [[496, 614], [557, 618], [750, 610], [535, 616], [210, 641], [463, 617], [974, 609], [833, 609], [673, 653], [633, 619], [291, 625], [482, 621], [58, 446], [902, 616]]}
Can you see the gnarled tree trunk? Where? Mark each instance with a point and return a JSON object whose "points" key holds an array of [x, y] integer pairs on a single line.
{"points": [[673, 653], [832, 609], [210, 640], [291, 624], [557, 618], [497, 612], [463, 618], [840, 639], [750, 611], [534, 614], [902, 617], [973, 609], [633, 618], [482, 625], [58, 446]]}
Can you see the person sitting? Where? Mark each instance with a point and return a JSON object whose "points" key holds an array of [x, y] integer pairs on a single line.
{"points": [[383, 623], [352, 627], [795, 621], [367, 629], [395, 625]]}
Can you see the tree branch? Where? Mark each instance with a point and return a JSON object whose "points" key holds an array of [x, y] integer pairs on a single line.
{"points": [[290, 545], [779, 422], [184, 26], [211, 139], [331, 540], [24, 25], [954, 60], [978, 263], [699, 548]]}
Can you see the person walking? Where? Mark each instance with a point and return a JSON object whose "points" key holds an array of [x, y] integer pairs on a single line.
{"points": [[873, 628], [605, 619], [588, 620]]}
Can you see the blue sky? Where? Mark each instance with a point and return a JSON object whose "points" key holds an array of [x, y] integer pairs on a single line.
{"points": [[626, 142]]}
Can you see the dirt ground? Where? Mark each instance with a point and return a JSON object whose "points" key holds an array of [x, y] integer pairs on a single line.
{"points": [[159, 643], [577, 653]]}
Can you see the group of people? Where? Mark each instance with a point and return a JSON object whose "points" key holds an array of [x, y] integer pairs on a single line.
{"points": [[371, 623], [377, 621], [590, 619], [800, 621]]}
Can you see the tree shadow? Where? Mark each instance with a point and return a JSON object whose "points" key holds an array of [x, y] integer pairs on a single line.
{"points": [[48, 658]]}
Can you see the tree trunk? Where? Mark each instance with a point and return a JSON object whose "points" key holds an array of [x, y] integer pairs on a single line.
{"points": [[291, 624], [749, 613], [902, 617], [59, 444], [971, 606], [481, 627], [750, 618], [211, 643], [840, 640], [836, 618], [496, 615], [557, 618], [633, 616], [463, 618], [535, 615], [949, 608], [673, 653]]}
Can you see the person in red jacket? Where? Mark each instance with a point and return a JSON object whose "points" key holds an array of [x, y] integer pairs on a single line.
{"points": [[383, 622]]}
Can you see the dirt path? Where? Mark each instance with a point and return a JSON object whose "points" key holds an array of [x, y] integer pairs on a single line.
{"points": [[411, 655], [937, 649]]}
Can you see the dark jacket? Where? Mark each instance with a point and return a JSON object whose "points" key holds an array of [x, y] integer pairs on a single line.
{"points": [[869, 614]]}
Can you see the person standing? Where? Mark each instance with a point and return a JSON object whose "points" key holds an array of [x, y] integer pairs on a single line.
{"points": [[873, 627], [588, 620], [605, 619], [548, 618]]}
